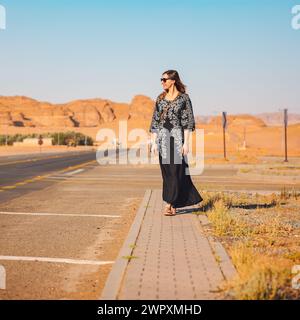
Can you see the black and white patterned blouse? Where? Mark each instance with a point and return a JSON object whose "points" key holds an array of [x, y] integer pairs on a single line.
{"points": [[179, 117]]}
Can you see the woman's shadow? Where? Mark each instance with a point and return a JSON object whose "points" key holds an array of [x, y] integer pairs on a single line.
{"points": [[209, 205], [186, 210]]}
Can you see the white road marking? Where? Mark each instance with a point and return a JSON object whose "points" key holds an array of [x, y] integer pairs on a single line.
{"points": [[55, 260], [73, 172], [103, 176], [60, 214]]}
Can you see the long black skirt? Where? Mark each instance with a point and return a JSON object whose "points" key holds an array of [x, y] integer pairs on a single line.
{"points": [[178, 188]]}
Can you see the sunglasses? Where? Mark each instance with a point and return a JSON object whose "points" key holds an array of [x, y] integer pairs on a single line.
{"points": [[165, 79]]}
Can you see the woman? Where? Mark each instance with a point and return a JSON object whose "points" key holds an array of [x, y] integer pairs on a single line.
{"points": [[172, 122]]}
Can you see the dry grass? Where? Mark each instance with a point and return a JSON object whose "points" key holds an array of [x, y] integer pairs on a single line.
{"points": [[245, 157], [260, 233], [273, 171], [260, 277], [224, 222], [287, 194]]}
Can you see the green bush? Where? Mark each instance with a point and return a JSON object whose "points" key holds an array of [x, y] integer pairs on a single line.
{"points": [[71, 137], [61, 138]]}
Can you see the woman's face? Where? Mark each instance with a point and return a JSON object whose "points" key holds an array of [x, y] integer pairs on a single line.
{"points": [[167, 84]]}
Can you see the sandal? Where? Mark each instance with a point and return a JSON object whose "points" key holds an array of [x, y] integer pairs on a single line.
{"points": [[170, 212]]}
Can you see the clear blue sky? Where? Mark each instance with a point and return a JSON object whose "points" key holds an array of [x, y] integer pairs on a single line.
{"points": [[239, 56]]}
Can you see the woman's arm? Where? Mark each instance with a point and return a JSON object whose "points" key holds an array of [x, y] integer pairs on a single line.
{"points": [[153, 137], [187, 115], [155, 119], [185, 147], [154, 126], [187, 123], [186, 136]]}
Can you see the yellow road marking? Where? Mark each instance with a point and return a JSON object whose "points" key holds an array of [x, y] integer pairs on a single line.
{"points": [[8, 187], [45, 176], [29, 160]]}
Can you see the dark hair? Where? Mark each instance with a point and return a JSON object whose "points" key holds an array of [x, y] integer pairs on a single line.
{"points": [[173, 75]]}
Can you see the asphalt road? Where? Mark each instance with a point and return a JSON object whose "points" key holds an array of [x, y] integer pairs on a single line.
{"points": [[18, 172], [60, 235]]}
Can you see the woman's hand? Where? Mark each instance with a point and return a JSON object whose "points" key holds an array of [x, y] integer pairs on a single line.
{"points": [[154, 148], [185, 149]]}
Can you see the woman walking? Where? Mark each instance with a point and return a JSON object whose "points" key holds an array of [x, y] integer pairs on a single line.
{"points": [[172, 122]]}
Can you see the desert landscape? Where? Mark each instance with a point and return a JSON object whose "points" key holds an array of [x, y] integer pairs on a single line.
{"points": [[90, 209], [251, 198], [248, 137]]}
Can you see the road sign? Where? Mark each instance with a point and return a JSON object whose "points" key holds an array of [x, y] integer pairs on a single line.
{"points": [[224, 119]]}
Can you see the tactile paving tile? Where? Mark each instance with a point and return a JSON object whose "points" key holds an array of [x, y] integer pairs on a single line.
{"points": [[173, 260]]}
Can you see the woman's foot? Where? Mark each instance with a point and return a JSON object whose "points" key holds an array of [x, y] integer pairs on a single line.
{"points": [[170, 212], [167, 210]]}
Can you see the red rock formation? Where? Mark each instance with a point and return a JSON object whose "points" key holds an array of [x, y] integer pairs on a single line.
{"points": [[238, 120], [23, 111], [141, 107]]}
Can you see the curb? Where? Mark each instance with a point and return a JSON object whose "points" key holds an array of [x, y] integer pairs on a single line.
{"points": [[115, 277], [225, 263]]}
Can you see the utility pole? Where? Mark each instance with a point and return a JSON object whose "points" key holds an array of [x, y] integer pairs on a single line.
{"points": [[85, 137], [224, 122], [285, 115], [6, 137], [244, 145]]}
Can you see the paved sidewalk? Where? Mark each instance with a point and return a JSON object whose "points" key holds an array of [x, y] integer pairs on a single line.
{"points": [[173, 259]]}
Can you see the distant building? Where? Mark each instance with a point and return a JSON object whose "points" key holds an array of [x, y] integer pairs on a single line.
{"points": [[34, 142]]}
